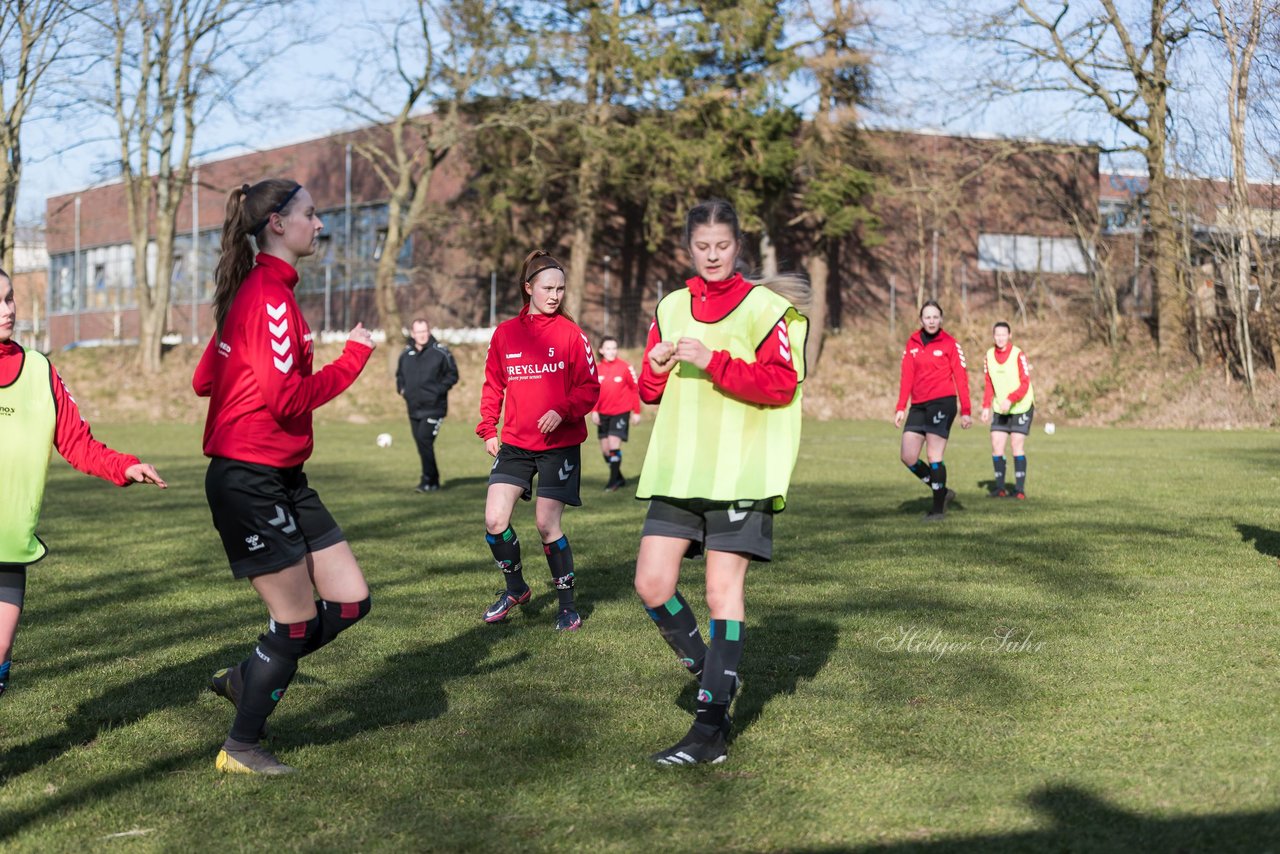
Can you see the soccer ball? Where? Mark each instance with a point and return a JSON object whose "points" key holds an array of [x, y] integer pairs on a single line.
{"points": [[384, 440], [1048, 429]]}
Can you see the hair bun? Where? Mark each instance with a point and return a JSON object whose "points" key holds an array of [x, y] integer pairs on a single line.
{"points": [[244, 188]]}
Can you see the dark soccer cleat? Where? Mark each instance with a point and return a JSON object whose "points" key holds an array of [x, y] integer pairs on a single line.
{"points": [[568, 620], [497, 612], [254, 760], [998, 493], [934, 516], [696, 748]]}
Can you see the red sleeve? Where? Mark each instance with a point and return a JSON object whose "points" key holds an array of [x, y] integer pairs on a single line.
{"points": [[651, 385], [75, 442], [988, 390], [495, 384], [907, 379], [629, 380], [1024, 379], [275, 350], [585, 388], [202, 380], [769, 380], [959, 371]]}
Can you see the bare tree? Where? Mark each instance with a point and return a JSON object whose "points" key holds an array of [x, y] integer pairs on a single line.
{"points": [[32, 34], [171, 62], [441, 56], [1096, 52]]}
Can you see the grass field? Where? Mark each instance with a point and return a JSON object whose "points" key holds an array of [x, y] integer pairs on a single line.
{"points": [[1133, 705]]}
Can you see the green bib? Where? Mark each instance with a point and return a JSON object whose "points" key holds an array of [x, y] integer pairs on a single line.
{"points": [[1005, 380], [27, 420], [707, 444]]}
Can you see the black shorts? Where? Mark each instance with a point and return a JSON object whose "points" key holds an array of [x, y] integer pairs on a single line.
{"points": [[745, 527], [1019, 423], [614, 425], [932, 416], [559, 472], [268, 517]]}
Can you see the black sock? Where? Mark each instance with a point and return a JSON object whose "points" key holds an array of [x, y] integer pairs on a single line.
{"points": [[998, 464], [267, 673], [506, 553], [615, 466], [938, 480], [560, 560], [1020, 473], [720, 676], [679, 628], [920, 469], [335, 618]]}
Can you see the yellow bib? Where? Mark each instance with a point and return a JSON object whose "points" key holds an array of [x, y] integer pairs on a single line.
{"points": [[708, 444], [27, 420], [1005, 380]]}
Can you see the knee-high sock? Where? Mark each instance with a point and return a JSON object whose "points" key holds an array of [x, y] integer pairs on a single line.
{"points": [[998, 464], [560, 561], [938, 480], [267, 673], [615, 465], [1020, 473], [4, 676], [335, 618], [506, 554], [720, 676], [921, 470], [679, 628]]}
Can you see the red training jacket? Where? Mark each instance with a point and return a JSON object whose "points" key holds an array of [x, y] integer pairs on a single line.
{"points": [[618, 390], [1024, 378], [257, 373], [933, 371], [536, 363], [71, 434], [770, 380]]}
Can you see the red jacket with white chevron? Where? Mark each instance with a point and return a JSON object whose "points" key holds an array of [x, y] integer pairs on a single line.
{"points": [[934, 370], [257, 374]]}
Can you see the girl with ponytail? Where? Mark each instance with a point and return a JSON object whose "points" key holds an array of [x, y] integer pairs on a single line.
{"points": [[724, 359], [257, 373], [540, 379]]}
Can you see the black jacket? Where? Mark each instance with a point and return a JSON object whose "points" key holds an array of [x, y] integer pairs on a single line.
{"points": [[424, 378]]}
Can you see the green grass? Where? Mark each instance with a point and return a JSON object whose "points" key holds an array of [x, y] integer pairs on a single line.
{"points": [[1141, 713]]}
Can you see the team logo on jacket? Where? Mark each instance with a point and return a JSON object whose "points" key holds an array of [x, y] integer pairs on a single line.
{"points": [[938, 353]]}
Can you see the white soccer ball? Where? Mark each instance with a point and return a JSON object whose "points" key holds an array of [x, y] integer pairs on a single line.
{"points": [[384, 440], [1049, 428]]}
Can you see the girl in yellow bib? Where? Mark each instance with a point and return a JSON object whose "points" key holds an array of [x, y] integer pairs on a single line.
{"points": [[38, 414], [1008, 391], [724, 358]]}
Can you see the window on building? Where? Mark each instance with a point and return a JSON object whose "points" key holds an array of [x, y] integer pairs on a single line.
{"points": [[1029, 253]]}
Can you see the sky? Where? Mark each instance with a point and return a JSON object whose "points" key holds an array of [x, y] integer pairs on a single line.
{"points": [[923, 80]]}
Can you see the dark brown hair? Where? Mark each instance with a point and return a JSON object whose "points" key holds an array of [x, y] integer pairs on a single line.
{"points": [[1003, 323], [931, 302], [534, 263], [794, 289], [248, 211]]}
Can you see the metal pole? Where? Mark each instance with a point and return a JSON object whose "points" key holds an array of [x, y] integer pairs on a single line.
{"points": [[195, 254], [75, 281], [346, 307], [605, 296], [934, 273], [893, 306], [493, 298], [659, 290], [328, 291]]}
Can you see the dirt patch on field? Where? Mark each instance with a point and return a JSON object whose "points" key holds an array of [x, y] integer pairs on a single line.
{"points": [[1076, 381]]}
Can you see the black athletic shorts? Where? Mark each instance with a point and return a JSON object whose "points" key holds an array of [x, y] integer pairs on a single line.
{"points": [[932, 416], [614, 425], [1019, 423], [268, 517], [723, 526], [559, 472]]}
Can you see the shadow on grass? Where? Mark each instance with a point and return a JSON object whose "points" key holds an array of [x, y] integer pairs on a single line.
{"points": [[122, 705], [781, 652], [1266, 541], [1081, 821]]}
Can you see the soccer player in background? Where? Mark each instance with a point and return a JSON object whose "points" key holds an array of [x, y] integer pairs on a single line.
{"points": [[724, 358], [618, 409], [424, 375], [540, 378], [1008, 393], [262, 390], [38, 414], [933, 374]]}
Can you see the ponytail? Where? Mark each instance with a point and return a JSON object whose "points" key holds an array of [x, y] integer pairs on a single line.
{"points": [[792, 288], [247, 210]]}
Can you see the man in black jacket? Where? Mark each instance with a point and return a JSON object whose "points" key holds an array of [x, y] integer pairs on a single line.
{"points": [[425, 375]]}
